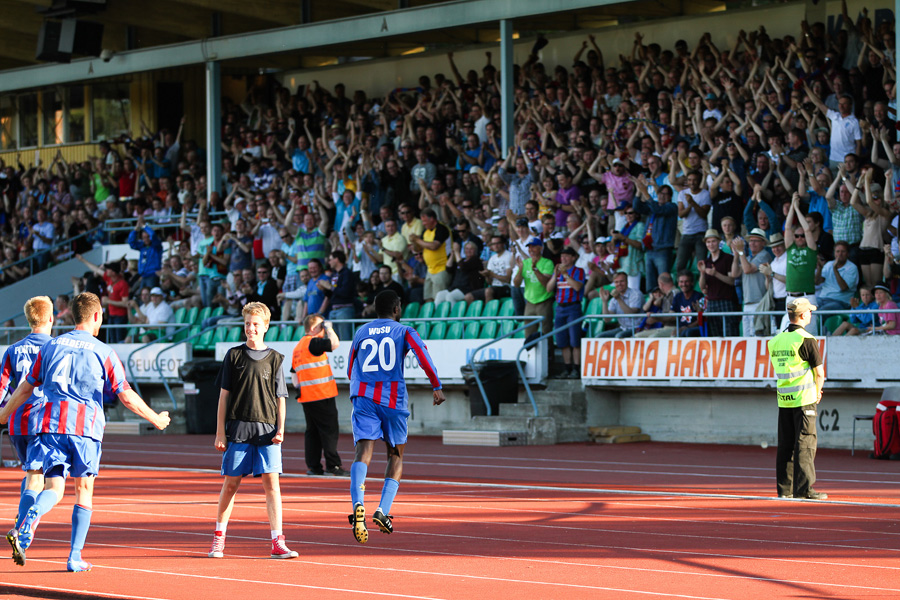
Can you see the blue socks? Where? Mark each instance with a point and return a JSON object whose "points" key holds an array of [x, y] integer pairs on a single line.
{"points": [[388, 492], [25, 502], [44, 502], [358, 471], [81, 522]]}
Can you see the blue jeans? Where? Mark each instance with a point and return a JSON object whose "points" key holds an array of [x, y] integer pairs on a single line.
{"points": [[829, 304], [208, 287], [114, 335], [344, 331], [656, 262]]}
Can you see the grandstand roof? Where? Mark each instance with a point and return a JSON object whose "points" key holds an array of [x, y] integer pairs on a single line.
{"points": [[135, 26]]}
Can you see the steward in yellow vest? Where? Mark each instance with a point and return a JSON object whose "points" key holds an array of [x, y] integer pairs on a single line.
{"points": [[317, 391], [800, 372]]}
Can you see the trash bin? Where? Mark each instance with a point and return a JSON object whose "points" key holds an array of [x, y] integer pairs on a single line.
{"points": [[500, 379], [201, 394]]}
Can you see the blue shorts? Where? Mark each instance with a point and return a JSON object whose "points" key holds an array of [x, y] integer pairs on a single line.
{"points": [[241, 460], [571, 337], [69, 455], [28, 449], [374, 422]]}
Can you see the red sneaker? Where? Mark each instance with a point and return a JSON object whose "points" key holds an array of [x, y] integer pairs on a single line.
{"points": [[280, 549]]}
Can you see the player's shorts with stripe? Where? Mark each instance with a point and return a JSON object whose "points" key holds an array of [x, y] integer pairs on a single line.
{"points": [[240, 460], [28, 450], [73, 455], [374, 422]]}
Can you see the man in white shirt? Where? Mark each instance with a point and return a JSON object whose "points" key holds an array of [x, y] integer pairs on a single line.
{"points": [[499, 272], [846, 134], [776, 271], [154, 312], [694, 204], [622, 301]]}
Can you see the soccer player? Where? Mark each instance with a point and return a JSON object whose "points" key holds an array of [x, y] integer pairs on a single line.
{"points": [[380, 404], [25, 423], [250, 425], [77, 372]]}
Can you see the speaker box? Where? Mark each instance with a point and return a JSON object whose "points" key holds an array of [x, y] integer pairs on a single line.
{"points": [[83, 38], [48, 42]]}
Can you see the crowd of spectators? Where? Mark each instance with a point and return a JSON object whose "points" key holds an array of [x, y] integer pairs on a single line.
{"points": [[669, 181]]}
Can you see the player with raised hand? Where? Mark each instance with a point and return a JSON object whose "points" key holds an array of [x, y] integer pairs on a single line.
{"points": [[25, 422], [78, 372], [381, 404]]}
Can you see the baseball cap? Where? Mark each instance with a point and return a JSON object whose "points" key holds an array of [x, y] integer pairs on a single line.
{"points": [[711, 97], [157, 291], [114, 267], [617, 161], [800, 305], [882, 287], [521, 222], [603, 239], [570, 251], [535, 241]]}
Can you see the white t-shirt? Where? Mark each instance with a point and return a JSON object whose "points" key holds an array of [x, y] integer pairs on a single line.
{"points": [[500, 264], [693, 223], [779, 267]]}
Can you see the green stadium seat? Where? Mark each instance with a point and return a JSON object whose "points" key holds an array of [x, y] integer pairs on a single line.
{"points": [[287, 333], [459, 310], [180, 315], [411, 311], [205, 341], [235, 334], [426, 311], [298, 333], [438, 330], [204, 314], [442, 310], [273, 334], [506, 327], [454, 331], [422, 328], [832, 322], [507, 308], [216, 312], [471, 331], [491, 309], [195, 329], [488, 330], [474, 309], [220, 336], [191, 316]]}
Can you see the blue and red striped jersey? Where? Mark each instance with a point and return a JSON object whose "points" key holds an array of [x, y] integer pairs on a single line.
{"points": [[78, 372], [15, 366], [566, 294], [376, 362]]}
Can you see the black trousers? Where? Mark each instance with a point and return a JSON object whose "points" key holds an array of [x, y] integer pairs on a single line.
{"points": [[322, 432], [795, 471]]}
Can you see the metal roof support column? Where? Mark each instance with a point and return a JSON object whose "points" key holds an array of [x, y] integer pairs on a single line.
{"points": [[214, 127], [507, 89]]}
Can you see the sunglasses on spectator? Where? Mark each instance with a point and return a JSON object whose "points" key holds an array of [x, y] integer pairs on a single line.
{"points": [[799, 235]]}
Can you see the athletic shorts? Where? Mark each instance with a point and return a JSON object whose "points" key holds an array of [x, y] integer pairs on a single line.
{"points": [[66, 455], [374, 422], [28, 449], [241, 460]]}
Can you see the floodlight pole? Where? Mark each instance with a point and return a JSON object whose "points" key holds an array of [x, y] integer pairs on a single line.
{"points": [[507, 89]]}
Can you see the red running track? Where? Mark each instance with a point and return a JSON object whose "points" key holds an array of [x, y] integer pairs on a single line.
{"points": [[570, 521]]}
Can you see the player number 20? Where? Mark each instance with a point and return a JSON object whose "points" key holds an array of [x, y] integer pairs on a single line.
{"points": [[387, 354]]}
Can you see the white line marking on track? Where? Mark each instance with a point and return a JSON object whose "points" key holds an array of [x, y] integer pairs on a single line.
{"points": [[44, 588]]}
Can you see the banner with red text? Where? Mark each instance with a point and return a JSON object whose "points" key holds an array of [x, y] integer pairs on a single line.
{"points": [[678, 358]]}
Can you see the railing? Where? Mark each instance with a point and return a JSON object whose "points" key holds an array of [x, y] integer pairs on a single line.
{"points": [[30, 259], [182, 327], [129, 223]]}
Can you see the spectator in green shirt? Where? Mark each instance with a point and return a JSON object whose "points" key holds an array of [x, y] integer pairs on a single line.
{"points": [[802, 256], [536, 271]]}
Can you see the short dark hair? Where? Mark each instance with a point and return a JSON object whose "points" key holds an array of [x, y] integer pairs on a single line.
{"points": [[339, 254], [84, 306], [386, 302], [428, 212]]}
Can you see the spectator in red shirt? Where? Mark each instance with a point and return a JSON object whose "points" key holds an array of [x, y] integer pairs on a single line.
{"points": [[116, 298]]}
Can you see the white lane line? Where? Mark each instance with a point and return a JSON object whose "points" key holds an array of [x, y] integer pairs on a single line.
{"points": [[13, 587]]}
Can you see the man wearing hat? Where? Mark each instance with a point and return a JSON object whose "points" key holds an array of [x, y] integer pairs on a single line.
{"points": [[800, 375], [536, 271], [747, 259], [154, 312], [716, 279], [568, 287]]}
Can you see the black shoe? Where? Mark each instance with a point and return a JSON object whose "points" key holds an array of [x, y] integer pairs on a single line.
{"points": [[384, 522], [358, 523], [814, 495], [338, 471], [315, 472]]}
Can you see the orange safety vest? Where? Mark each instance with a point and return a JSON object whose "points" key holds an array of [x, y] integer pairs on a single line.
{"points": [[312, 374]]}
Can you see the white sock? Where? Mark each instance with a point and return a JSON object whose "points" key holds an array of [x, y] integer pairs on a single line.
{"points": [[275, 533], [221, 526]]}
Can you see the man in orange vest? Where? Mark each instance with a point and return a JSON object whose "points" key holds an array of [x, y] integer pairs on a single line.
{"points": [[317, 391]]}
